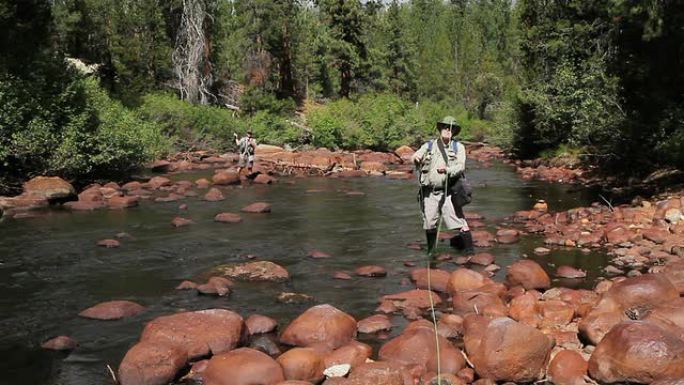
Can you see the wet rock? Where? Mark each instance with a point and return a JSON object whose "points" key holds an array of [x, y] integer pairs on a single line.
{"points": [[225, 178], [159, 181], [266, 343], [542, 251], [373, 167], [161, 166], [417, 346], [64, 343], [214, 195], [656, 235], [170, 198], [199, 332], [151, 364], [317, 254], [637, 351], [482, 259], [243, 366], [568, 368], [570, 272], [49, 188], [322, 324], [186, 285], [216, 286], [294, 298], [342, 275], [507, 236], [373, 271], [228, 218], [202, 183], [303, 364], [130, 186], [255, 271], [112, 310], [122, 202], [439, 279], [109, 243], [465, 279], [378, 373], [450, 326], [257, 324], [264, 179], [257, 207], [85, 205], [354, 353], [183, 206], [181, 222], [527, 274], [374, 324], [511, 351], [482, 238], [478, 301], [387, 307], [413, 299], [541, 206]]}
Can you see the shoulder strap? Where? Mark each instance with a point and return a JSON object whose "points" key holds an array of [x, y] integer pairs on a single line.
{"points": [[429, 143], [454, 146], [440, 146]]}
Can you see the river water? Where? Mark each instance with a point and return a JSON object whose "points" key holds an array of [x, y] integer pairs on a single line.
{"points": [[51, 269]]}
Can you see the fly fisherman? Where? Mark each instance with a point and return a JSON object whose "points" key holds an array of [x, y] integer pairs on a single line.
{"points": [[246, 148], [441, 162]]}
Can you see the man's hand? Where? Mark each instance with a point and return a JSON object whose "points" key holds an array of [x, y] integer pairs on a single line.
{"points": [[235, 135], [441, 170]]}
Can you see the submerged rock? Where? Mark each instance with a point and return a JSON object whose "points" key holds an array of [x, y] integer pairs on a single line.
{"points": [[255, 271], [60, 343], [112, 310], [257, 207]]}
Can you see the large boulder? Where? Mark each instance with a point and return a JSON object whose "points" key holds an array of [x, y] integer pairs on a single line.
{"points": [[243, 366], [595, 325], [417, 345], [465, 279], [478, 301], [255, 271], [320, 325], [647, 290], [528, 274], [150, 363], [439, 279], [669, 315], [50, 188], [112, 310], [304, 364], [568, 367], [511, 351], [225, 178], [199, 332], [638, 351]]}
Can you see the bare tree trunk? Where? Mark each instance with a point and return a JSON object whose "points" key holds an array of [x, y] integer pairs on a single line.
{"points": [[191, 55]]}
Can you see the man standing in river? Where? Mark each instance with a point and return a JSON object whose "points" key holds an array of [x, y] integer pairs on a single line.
{"points": [[246, 149], [440, 162]]}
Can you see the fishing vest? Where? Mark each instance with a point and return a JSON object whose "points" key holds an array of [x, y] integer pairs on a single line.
{"points": [[428, 155]]}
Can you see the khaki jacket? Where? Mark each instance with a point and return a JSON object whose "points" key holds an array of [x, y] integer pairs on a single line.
{"points": [[434, 160]]}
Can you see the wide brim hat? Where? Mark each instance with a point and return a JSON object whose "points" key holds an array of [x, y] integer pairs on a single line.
{"points": [[449, 122]]}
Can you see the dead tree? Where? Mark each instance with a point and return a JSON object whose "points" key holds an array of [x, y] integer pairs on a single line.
{"points": [[190, 57]]}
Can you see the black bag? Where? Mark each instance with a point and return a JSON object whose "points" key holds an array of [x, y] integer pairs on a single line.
{"points": [[461, 192]]}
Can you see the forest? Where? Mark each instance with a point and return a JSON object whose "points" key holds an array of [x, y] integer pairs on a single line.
{"points": [[93, 89]]}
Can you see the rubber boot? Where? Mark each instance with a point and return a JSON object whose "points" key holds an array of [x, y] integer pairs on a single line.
{"points": [[468, 248], [431, 236]]}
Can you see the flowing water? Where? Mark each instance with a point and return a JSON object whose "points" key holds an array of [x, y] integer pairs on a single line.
{"points": [[51, 269]]}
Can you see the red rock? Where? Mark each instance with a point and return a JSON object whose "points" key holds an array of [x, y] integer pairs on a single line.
{"points": [[371, 271], [199, 332], [355, 193], [296, 382], [202, 183], [322, 325], [60, 343], [91, 194], [354, 353], [255, 271], [646, 290], [404, 152], [507, 236], [570, 272], [159, 181], [49, 188], [151, 364], [568, 368], [528, 274], [186, 285], [342, 275], [374, 323], [478, 301], [378, 373], [387, 307], [317, 254], [180, 222], [225, 178], [216, 285], [373, 167], [264, 179], [413, 299], [618, 236], [465, 279], [637, 351], [417, 346], [122, 202], [112, 310], [160, 166], [243, 366], [214, 195], [228, 218], [542, 251], [439, 279], [257, 324], [482, 238], [511, 351], [84, 205], [257, 207], [109, 243], [556, 313], [467, 375], [450, 326], [303, 364], [183, 206], [482, 259], [656, 235], [170, 198], [130, 186], [595, 325], [525, 308]]}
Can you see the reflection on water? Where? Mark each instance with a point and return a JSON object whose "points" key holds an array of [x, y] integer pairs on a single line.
{"points": [[50, 268]]}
